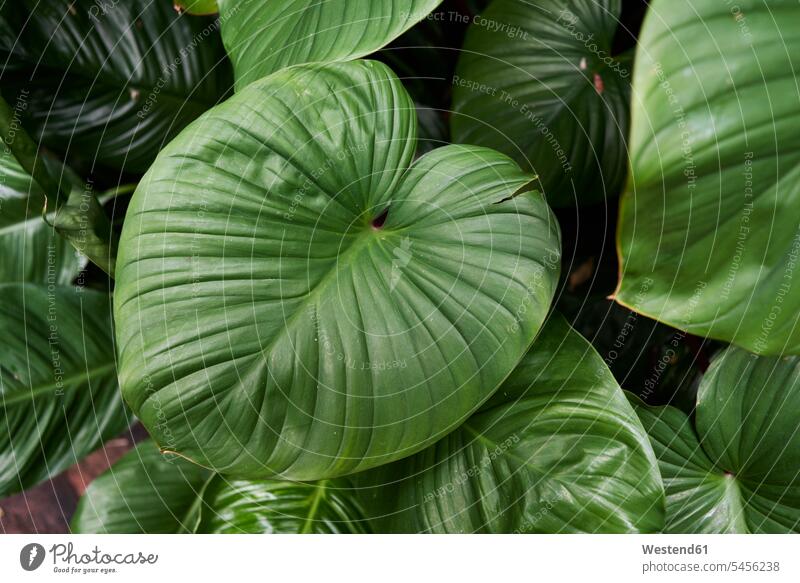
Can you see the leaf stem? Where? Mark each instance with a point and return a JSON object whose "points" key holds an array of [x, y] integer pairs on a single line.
{"points": [[317, 496], [25, 150]]}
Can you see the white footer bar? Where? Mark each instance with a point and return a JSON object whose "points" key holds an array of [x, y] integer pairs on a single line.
{"points": [[389, 559]]}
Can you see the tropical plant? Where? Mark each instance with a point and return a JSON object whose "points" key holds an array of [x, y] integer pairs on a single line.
{"points": [[556, 449], [60, 398], [182, 497], [539, 81], [355, 258], [712, 135], [736, 469], [333, 257]]}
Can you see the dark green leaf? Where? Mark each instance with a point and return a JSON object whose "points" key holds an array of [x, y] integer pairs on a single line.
{"points": [[556, 449], [295, 298], [740, 471], [58, 388], [83, 222], [538, 81], [24, 149], [700, 497], [144, 492], [152, 493], [113, 81], [31, 251]]}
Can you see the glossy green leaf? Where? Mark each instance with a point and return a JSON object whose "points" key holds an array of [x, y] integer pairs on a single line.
{"points": [[537, 80], [31, 251], [59, 398], [740, 470], [111, 82], [144, 492], [264, 36], [557, 449], [295, 298], [76, 215], [708, 236], [268, 506], [700, 497], [25, 150], [147, 492]]}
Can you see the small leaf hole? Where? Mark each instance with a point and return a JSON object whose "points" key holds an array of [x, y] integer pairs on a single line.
{"points": [[378, 221]]}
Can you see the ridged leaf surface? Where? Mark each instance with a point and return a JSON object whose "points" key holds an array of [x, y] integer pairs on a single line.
{"points": [[557, 449], [739, 470], [297, 297], [264, 36], [59, 398], [708, 234]]}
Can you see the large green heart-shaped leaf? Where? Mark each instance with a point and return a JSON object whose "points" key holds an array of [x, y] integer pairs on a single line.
{"points": [[700, 497], [740, 471], [538, 81], [294, 298], [112, 81], [264, 36], [708, 233], [30, 249], [147, 492], [58, 389], [556, 449]]}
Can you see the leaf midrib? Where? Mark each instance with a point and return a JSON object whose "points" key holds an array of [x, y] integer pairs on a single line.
{"points": [[37, 391], [316, 498], [363, 241], [492, 445]]}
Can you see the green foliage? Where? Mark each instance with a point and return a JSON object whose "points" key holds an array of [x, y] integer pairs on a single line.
{"points": [[32, 252], [736, 469], [391, 296], [144, 492], [556, 449], [331, 319], [707, 224], [538, 80], [178, 496], [83, 222], [112, 82], [265, 36], [59, 398]]}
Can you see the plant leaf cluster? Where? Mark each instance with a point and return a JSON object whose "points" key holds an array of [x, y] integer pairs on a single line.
{"points": [[331, 256]]}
